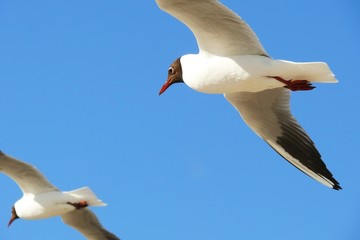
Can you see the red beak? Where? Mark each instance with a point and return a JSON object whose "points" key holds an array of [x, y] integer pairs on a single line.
{"points": [[164, 87], [13, 217]]}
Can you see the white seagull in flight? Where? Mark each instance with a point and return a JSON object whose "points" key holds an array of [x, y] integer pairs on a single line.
{"points": [[232, 61], [41, 199]]}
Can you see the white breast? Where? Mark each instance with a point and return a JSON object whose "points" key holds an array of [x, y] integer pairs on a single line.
{"points": [[43, 205]]}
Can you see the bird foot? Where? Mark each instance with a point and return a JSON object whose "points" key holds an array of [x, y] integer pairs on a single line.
{"points": [[295, 85], [79, 205]]}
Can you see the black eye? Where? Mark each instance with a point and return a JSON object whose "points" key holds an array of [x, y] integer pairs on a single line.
{"points": [[171, 71]]}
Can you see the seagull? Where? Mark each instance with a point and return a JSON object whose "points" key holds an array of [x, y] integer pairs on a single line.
{"points": [[41, 199], [232, 61]]}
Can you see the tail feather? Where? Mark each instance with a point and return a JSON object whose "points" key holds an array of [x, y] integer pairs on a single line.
{"points": [[310, 71], [318, 72], [88, 195]]}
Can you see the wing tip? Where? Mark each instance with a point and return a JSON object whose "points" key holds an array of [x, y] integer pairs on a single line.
{"points": [[329, 181], [336, 186]]}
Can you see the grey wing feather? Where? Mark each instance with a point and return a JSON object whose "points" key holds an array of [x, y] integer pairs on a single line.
{"points": [[86, 222], [268, 114], [29, 179], [217, 29]]}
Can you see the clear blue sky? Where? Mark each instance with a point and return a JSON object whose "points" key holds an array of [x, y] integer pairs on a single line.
{"points": [[79, 99]]}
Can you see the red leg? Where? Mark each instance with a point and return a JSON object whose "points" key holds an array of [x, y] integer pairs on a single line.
{"points": [[295, 85], [79, 205]]}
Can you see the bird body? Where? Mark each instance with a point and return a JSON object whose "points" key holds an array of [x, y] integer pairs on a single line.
{"points": [[44, 205], [53, 203], [209, 73]]}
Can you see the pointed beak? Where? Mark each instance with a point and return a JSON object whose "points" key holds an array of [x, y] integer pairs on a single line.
{"points": [[165, 86], [13, 217]]}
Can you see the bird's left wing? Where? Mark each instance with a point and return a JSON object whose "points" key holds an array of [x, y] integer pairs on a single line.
{"points": [[268, 114], [86, 222], [217, 29], [29, 179]]}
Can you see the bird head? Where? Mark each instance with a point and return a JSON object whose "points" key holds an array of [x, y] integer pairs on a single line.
{"points": [[174, 75]]}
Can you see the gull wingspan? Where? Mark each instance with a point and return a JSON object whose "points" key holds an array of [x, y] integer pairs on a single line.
{"points": [[268, 114], [85, 221], [29, 179], [217, 29]]}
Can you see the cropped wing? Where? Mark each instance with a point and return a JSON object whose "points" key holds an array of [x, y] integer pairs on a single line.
{"points": [[29, 179], [86, 222], [217, 29]]}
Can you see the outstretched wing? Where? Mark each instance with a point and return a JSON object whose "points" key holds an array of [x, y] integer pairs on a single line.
{"points": [[29, 179], [217, 29], [268, 114], [85, 221]]}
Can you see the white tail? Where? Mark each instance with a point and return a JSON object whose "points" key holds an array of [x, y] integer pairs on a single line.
{"points": [[88, 195], [310, 71], [318, 72]]}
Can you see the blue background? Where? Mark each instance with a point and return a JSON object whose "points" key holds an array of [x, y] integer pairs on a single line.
{"points": [[79, 85]]}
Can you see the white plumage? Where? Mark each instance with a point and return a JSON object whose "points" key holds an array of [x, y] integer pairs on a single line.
{"points": [[42, 200], [232, 61]]}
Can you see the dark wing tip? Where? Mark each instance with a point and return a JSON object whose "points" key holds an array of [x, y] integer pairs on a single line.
{"points": [[336, 185]]}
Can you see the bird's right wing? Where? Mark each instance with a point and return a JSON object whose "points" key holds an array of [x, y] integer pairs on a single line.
{"points": [[217, 29], [29, 179], [86, 222], [268, 114]]}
